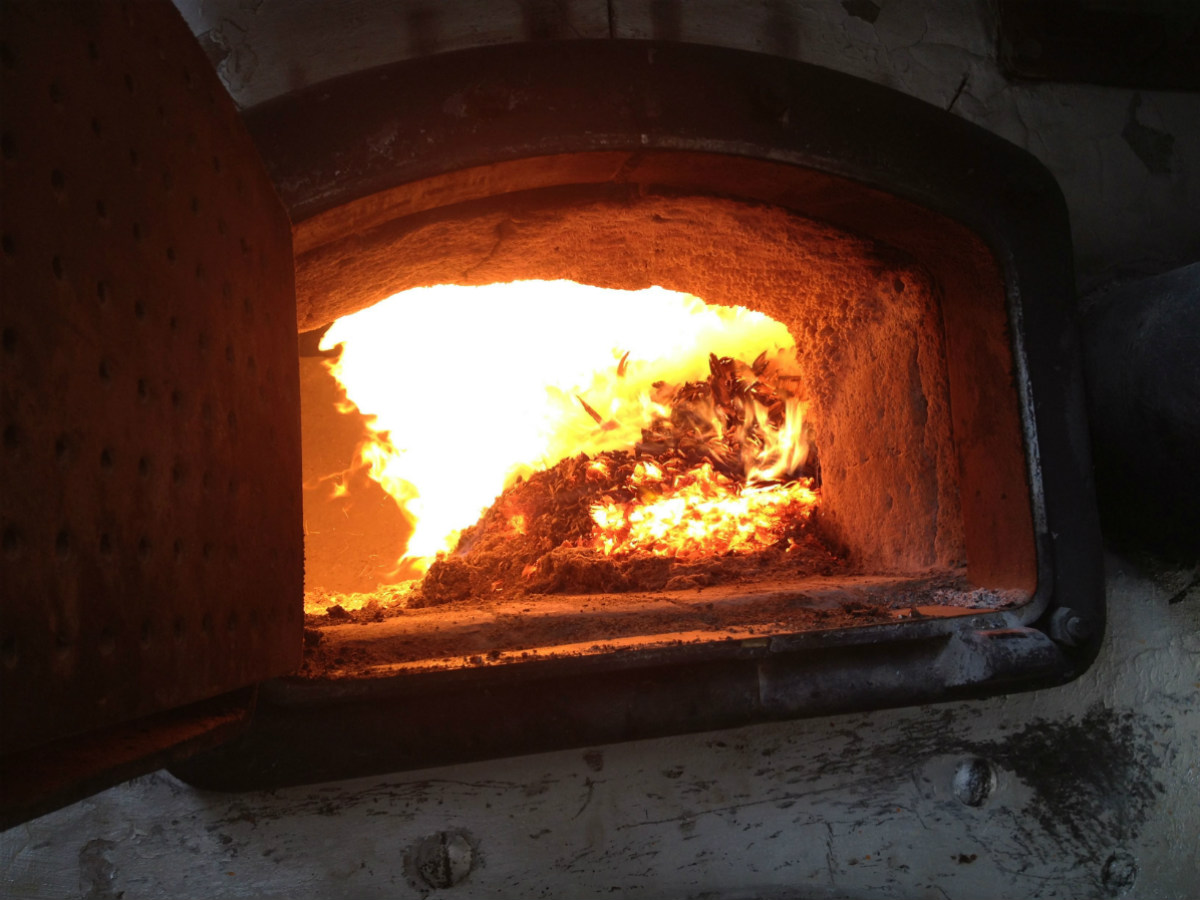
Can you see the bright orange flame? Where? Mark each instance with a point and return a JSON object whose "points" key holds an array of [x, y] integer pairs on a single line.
{"points": [[467, 388], [699, 512]]}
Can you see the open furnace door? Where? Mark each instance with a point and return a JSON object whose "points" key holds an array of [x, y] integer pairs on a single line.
{"points": [[152, 557]]}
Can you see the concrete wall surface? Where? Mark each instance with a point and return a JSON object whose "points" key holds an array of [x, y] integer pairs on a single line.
{"points": [[1084, 791]]}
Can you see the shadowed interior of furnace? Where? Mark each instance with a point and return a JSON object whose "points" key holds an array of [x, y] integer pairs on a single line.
{"points": [[722, 421]]}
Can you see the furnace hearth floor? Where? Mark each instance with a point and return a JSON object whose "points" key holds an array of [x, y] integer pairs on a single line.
{"points": [[482, 632]]}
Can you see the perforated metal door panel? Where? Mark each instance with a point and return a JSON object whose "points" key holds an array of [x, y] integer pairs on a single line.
{"points": [[150, 516]]}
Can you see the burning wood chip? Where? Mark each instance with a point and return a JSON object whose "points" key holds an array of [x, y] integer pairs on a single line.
{"points": [[722, 379], [591, 412], [605, 424], [597, 470]]}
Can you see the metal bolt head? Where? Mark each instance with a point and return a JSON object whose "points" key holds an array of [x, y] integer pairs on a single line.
{"points": [[974, 781], [444, 859], [1068, 627], [1119, 873]]}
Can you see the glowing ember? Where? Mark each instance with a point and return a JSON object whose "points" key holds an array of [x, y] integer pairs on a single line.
{"points": [[699, 512], [468, 389]]}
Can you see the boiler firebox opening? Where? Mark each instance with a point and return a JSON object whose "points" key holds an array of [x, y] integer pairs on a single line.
{"points": [[514, 471], [549, 437]]}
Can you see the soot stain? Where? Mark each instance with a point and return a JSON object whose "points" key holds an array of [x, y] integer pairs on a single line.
{"points": [[97, 871], [867, 10], [1093, 777], [1156, 149]]}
